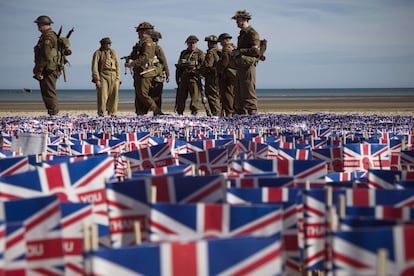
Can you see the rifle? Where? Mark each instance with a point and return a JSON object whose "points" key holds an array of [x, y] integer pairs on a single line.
{"points": [[126, 58], [263, 47], [204, 98], [66, 50]]}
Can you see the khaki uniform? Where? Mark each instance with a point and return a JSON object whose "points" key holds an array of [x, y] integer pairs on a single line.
{"points": [[245, 85], [143, 57], [162, 73], [188, 79], [105, 68], [227, 76], [45, 55], [209, 70]]}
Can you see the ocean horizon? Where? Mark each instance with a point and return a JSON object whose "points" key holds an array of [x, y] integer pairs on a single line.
{"points": [[128, 96]]}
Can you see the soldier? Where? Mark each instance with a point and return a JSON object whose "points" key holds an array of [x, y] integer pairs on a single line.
{"points": [[46, 69], [188, 77], [106, 76], [227, 75], [246, 57], [143, 62], [209, 71], [163, 72]]}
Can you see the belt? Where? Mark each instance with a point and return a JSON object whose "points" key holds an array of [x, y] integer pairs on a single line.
{"points": [[110, 70]]}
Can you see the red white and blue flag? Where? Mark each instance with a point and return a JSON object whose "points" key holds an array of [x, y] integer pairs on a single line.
{"points": [[227, 256], [185, 222]]}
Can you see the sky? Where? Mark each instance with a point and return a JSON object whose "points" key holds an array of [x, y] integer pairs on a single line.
{"points": [[311, 43]]}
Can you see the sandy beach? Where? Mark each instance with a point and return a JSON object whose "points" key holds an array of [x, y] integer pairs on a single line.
{"points": [[389, 105]]}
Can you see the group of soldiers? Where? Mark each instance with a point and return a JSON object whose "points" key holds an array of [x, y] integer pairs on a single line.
{"points": [[229, 73]]}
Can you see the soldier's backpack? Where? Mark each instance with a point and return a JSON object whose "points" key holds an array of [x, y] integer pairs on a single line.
{"points": [[63, 50]]}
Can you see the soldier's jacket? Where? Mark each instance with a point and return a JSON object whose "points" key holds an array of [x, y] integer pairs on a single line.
{"points": [[162, 64], [143, 55], [188, 64], [45, 52], [209, 66], [225, 60], [248, 42], [99, 63]]}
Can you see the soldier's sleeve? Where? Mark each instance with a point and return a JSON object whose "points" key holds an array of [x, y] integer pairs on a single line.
{"points": [[95, 67], [118, 69], [163, 60], [209, 59], [178, 71], [145, 56], [45, 54]]}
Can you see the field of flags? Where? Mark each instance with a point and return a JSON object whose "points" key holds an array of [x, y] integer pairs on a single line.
{"points": [[270, 194]]}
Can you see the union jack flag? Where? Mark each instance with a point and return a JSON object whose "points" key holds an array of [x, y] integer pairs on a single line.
{"points": [[2, 245], [211, 161], [302, 169], [371, 197], [382, 179], [333, 157], [74, 217], [227, 256], [5, 142], [366, 156], [205, 144], [186, 169], [149, 157], [253, 150], [41, 217], [355, 252], [407, 159], [128, 204], [206, 221], [381, 212], [15, 249], [314, 229], [261, 181], [252, 166], [82, 181], [294, 154], [14, 165]]}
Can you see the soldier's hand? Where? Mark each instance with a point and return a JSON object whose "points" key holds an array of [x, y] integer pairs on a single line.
{"points": [[235, 53], [39, 76], [98, 84], [167, 79]]}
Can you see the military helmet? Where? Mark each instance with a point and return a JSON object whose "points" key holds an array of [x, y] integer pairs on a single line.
{"points": [[144, 26], [211, 38], [43, 19], [105, 40], [191, 38], [242, 14], [224, 36]]}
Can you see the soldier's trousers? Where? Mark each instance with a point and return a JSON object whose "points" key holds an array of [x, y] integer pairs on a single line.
{"points": [[156, 92], [187, 86], [227, 96], [143, 101], [48, 91], [107, 94], [212, 94], [245, 100]]}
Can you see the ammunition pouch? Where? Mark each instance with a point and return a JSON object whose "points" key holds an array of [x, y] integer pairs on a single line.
{"points": [[53, 63]]}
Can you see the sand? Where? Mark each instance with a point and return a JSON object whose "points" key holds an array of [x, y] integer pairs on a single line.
{"points": [[384, 105]]}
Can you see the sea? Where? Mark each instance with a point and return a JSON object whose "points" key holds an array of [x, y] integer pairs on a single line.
{"points": [[127, 95]]}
